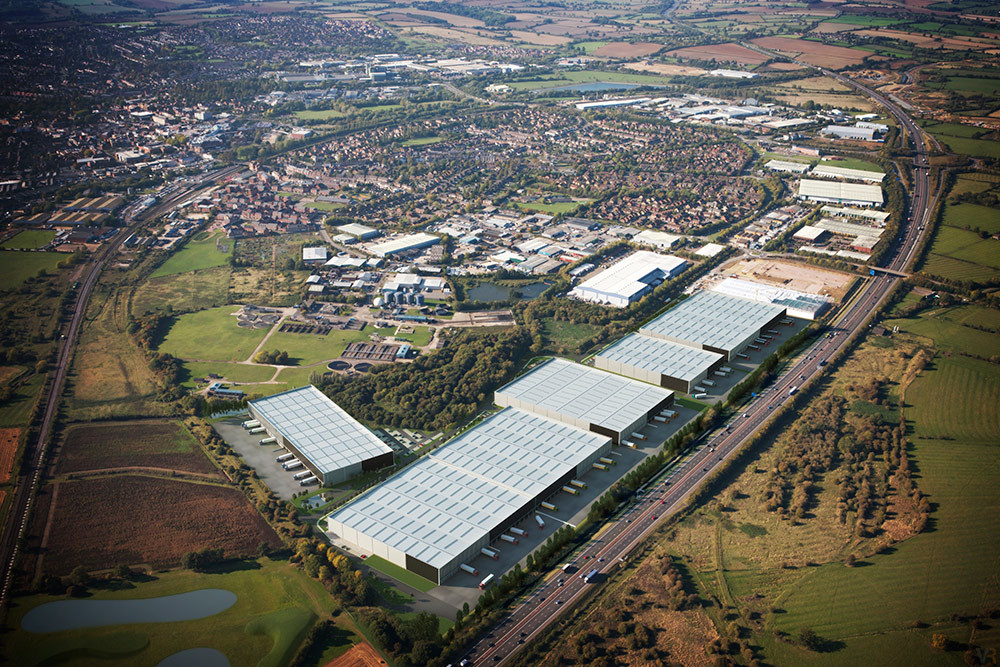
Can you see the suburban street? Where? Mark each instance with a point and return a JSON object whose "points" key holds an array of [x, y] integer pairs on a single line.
{"points": [[668, 493]]}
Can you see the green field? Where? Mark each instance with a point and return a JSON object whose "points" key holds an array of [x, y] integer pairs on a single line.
{"points": [[973, 216], [968, 84], [853, 163], [956, 269], [400, 574], [16, 410], [957, 399], [323, 205], [586, 76], [867, 21], [231, 372], [951, 335], [961, 139], [276, 604], [29, 239], [305, 349], [183, 292], [423, 141], [24, 265], [200, 252], [766, 157], [327, 114], [553, 209], [568, 334], [420, 337], [210, 335], [588, 47]]}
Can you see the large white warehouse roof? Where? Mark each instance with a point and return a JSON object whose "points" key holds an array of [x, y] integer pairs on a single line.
{"points": [[798, 304], [565, 390], [829, 171], [661, 356], [628, 279], [319, 428], [714, 320], [448, 501], [404, 243], [840, 193]]}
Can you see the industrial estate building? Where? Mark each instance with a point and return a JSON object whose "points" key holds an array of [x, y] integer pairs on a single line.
{"points": [[660, 362], [584, 397], [829, 171], [716, 322], [628, 280], [404, 244], [327, 440], [856, 133], [441, 511], [796, 304], [787, 166], [841, 193]]}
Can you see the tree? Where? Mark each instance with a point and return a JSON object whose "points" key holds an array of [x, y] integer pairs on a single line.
{"points": [[79, 576], [122, 572], [809, 639], [939, 641]]}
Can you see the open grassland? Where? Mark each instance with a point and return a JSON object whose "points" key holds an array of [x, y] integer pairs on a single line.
{"points": [[17, 409], [841, 101], [266, 287], [951, 335], [204, 251], [262, 588], [942, 405], [967, 246], [19, 266], [110, 376], [977, 85], [963, 139], [305, 349], [554, 208], [814, 83], [29, 239], [157, 444], [211, 335], [585, 76], [183, 292], [230, 372], [9, 439], [956, 269], [973, 216], [423, 141], [286, 628], [563, 333], [100, 522]]}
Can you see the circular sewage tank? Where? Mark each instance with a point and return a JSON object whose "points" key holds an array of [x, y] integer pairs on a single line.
{"points": [[363, 367], [338, 365]]}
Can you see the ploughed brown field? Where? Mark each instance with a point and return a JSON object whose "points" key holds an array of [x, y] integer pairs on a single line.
{"points": [[628, 50], [103, 522], [156, 443], [721, 53], [8, 450]]}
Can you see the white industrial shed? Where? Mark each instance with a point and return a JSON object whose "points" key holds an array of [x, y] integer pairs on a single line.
{"points": [[787, 166], [628, 280], [360, 231], [657, 361], [841, 193], [439, 512], [328, 441], [829, 171], [404, 244], [715, 322], [656, 239], [797, 304], [585, 397]]}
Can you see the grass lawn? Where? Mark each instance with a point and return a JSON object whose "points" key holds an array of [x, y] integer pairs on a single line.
{"points": [[868, 21], [555, 208], [789, 158], [266, 591], [286, 628], [200, 252], [564, 332], [305, 349], [691, 403], [973, 147], [957, 269], [322, 205], [210, 335], [423, 141], [400, 574], [325, 114], [586, 76], [29, 239], [24, 265], [420, 337], [852, 163], [231, 372]]}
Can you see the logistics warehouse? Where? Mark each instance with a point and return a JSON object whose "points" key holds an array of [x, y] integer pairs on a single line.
{"points": [[327, 440], [449, 506]]}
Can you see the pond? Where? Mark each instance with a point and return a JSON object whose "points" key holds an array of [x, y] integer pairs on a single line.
{"points": [[486, 291], [201, 657], [75, 614]]}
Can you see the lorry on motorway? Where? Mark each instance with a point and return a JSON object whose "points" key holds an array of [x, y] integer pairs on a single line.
{"points": [[792, 390], [590, 575]]}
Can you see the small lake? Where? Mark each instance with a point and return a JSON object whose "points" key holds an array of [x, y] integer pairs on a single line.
{"points": [[75, 614], [596, 87], [196, 657], [487, 292]]}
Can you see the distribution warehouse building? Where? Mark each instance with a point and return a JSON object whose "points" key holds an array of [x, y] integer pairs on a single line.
{"points": [[660, 362], [439, 512], [328, 441], [585, 397], [797, 304], [715, 322], [841, 193], [628, 280]]}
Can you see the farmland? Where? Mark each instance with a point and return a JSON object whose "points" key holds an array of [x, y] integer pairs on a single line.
{"points": [[721, 53], [29, 239], [264, 588], [961, 254], [20, 266], [814, 53], [204, 251], [9, 438], [156, 444], [103, 521], [210, 335], [16, 410]]}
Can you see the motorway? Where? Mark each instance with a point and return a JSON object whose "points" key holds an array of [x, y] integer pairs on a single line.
{"points": [[668, 492], [34, 455]]}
